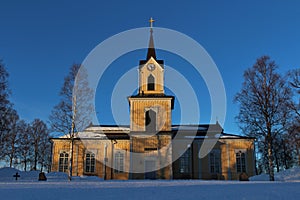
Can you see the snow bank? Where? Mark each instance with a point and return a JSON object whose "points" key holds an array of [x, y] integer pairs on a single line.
{"points": [[288, 175], [86, 178], [57, 176], [7, 174], [261, 177], [292, 174], [60, 176]]}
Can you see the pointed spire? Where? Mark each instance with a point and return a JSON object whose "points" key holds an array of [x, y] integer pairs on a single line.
{"points": [[151, 49]]}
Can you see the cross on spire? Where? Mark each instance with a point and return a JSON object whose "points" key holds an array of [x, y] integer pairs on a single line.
{"points": [[151, 22], [151, 50]]}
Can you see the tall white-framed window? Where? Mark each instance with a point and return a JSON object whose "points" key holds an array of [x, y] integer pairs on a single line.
{"points": [[89, 162], [215, 161], [119, 161], [185, 161], [240, 156], [63, 161]]}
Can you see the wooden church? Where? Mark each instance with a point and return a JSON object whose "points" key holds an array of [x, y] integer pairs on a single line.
{"points": [[151, 147]]}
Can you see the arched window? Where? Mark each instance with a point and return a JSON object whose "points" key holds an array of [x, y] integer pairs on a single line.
{"points": [[215, 161], [63, 162], [240, 161], [151, 83], [119, 161], [89, 162], [185, 162], [150, 120]]}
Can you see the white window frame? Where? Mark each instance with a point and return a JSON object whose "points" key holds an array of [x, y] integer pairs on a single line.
{"points": [[216, 159], [90, 162], [65, 163], [241, 151], [119, 161], [156, 109], [185, 161]]}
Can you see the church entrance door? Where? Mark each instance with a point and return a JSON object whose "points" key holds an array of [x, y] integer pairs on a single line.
{"points": [[150, 165]]}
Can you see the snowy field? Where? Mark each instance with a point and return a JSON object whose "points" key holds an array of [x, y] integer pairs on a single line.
{"points": [[57, 187], [154, 190]]}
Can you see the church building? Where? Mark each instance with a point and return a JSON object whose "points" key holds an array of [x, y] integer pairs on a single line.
{"points": [[151, 147]]}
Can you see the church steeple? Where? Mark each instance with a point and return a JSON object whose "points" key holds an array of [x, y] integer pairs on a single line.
{"points": [[151, 49], [151, 109]]}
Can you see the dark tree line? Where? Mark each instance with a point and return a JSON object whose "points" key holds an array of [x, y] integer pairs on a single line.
{"points": [[22, 144], [269, 111]]}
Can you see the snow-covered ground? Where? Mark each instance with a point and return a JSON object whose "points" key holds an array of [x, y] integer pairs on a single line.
{"points": [[287, 175], [85, 188]]}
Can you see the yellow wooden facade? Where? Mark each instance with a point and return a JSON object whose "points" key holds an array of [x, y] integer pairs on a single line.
{"points": [[113, 152], [147, 148]]}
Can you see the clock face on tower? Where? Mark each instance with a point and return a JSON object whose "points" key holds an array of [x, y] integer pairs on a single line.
{"points": [[150, 67]]}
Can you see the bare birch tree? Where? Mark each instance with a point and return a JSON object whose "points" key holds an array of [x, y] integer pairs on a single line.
{"points": [[12, 138], [5, 107], [263, 101], [25, 144], [8, 120], [294, 133], [38, 133], [72, 113]]}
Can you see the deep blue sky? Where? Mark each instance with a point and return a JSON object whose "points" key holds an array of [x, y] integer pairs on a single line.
{"points": [[40, 40]]}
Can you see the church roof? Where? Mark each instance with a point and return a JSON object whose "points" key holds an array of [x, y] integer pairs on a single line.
{"points": [[108, 128], [203, 131], [151, 49], [198, 127], [151, 52]]}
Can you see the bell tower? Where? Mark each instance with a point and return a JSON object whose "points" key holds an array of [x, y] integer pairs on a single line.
{"points": [[150, 109]]}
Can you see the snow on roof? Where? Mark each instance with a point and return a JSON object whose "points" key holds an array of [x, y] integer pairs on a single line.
{"points": [[220, 136], [203, 131], [86, 134], [195, 137], [99, 131], [229, 136], [108, 128], [188, 127]]}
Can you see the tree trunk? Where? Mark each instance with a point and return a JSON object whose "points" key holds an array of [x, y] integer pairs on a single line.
{"points": [[42, 164], [298, 154], [25, 164], [71, 159], [12, 154], [285, 155], [276, 161], [72, 136], [35, 161], [10, 161], [270, 159]]}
